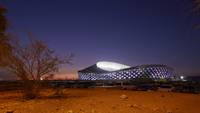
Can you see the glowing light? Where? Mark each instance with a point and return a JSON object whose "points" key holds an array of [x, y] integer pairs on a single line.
{"points": [[41, 78], [182, 77], [111, 66]]}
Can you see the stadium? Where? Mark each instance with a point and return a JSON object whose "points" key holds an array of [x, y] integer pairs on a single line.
{"points": [[105, 70]]}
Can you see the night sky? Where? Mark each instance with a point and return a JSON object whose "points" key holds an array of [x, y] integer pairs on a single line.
{"points": [[131, 32]]}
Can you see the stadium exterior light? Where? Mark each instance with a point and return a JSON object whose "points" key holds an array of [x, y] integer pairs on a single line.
{"points": [[182, 77]]}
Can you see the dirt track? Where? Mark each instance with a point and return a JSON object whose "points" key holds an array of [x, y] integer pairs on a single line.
{"points": [[102, 101]]}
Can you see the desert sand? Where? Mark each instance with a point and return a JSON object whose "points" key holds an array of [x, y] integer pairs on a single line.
{"points": [[101, 100]]}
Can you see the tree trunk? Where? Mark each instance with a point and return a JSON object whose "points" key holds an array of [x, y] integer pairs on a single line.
{"points": [[31, 89]]}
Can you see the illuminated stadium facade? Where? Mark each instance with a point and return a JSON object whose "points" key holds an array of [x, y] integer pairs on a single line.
{"points": [[114, 71]]}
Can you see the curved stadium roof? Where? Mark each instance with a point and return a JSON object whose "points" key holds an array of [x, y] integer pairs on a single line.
{"points": [[105, 67], [111, 66]]}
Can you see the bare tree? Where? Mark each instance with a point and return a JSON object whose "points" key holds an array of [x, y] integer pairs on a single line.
{"points": [[32, 61], [3, 22], [196, 5], [4, 45], [28, 62], [196, 11]]}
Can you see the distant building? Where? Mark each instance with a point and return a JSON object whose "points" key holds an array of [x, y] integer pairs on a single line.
{"points": [[105, 70]]}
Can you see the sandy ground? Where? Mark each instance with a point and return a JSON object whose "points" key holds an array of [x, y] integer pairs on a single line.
{"points": [[102, 101]]}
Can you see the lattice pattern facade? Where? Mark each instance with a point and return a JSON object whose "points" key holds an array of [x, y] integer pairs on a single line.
{"points": [[154, 72]]}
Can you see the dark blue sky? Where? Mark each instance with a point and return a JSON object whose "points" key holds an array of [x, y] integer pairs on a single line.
{"points": [[132, 32]]}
